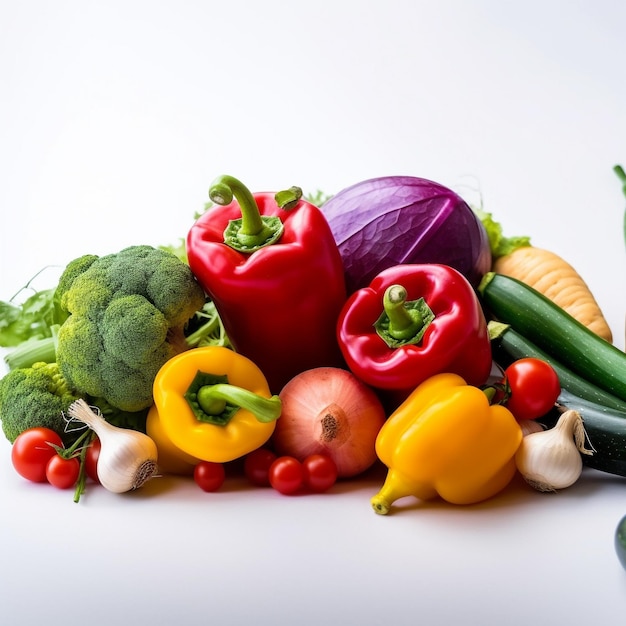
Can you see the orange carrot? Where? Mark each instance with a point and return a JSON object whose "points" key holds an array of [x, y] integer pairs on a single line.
{"points": [[546, 272]]}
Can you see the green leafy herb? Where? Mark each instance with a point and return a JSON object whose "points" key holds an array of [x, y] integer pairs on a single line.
{"points": [[33, 319], [499, 244], [318, 198], [619, 170]]}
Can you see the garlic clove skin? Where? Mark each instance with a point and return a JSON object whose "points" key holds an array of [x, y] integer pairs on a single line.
{"points": [[530, 426], [129, 464]]}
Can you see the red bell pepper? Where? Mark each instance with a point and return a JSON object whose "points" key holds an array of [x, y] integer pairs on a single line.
{"points": [[414, 321], [273, 270]]}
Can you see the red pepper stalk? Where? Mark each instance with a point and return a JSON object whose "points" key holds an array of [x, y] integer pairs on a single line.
{"points": [[411, 322], [274, 272]]}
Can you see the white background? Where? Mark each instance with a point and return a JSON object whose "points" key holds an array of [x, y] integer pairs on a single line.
{"points": [[115, 117]]}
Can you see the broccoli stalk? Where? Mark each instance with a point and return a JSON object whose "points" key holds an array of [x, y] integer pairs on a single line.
{"points": [[34, 351]]}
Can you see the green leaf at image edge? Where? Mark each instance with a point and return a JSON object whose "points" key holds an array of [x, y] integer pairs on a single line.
{"points": [[619, 170]]}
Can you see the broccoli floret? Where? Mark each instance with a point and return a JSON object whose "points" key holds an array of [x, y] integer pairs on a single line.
{"points": [[73, 269], [35, 396], [127, 316]]}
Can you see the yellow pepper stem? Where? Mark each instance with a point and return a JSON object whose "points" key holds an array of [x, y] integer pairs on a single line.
{"points": [[212, 399]]}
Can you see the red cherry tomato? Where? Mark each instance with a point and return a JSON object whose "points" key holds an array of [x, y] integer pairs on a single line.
{"points": [[256, 466], [62, 473], [31, 452], [320, 472], [535, 388], [286, 475], [91, 459], [209, 476]]}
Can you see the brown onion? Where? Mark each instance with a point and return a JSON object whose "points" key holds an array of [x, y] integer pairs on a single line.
{"points": [[327, 410]]}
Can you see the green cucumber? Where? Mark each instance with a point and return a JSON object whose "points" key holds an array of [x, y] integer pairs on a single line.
{"points": [[508, 346], [605, 428], [555, 331]]}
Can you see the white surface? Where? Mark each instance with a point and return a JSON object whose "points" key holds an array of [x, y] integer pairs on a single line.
{"points": [[114, 119]]}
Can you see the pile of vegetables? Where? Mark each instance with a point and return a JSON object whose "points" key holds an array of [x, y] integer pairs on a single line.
{"points": [[311, 339]]}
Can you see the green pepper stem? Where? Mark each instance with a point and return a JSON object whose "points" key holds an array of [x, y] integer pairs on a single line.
{"points": [[490, 392], [212, 397], [222, 191], [496, 329], [252, 231], [403, 322]]}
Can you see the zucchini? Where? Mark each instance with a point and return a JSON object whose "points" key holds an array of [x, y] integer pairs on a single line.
{"points": [[555, 331], [508, 346], [605, 428]]}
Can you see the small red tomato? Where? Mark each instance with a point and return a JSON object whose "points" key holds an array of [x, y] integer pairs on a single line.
{"points": [[286, 475], [534, 385], [256, 466], [320, 472], [91, 459], [209, 476], [32, 450], [62, 473]]}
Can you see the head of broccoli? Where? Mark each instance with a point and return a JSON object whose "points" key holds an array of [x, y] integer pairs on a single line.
{"points": [[35, 396], [127, 314]]}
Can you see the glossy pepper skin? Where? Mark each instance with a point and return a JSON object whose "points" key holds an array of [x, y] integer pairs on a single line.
{"points": [[455, 340], [279, 304], [172, 460], [446, 440], [242, 416]]}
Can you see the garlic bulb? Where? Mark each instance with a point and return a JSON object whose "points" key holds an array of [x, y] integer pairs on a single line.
{"points": [[128, 458], [530, 426], [551, 459]]}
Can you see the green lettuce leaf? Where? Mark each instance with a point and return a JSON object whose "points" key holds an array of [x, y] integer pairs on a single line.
{"points": [[499, 244]]}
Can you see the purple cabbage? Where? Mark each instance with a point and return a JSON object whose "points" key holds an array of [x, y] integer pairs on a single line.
{"points": [[386, 221]]}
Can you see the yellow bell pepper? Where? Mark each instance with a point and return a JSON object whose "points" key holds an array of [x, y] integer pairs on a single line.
{"points": [[172, 460], [446, 440], [213, 405]]}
